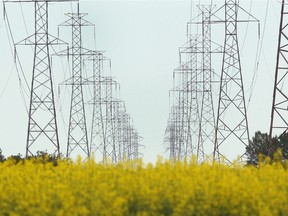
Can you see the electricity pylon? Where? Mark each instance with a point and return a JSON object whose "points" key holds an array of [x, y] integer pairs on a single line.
{"points": [[97, 131], [207, 119], [183, 124], [232, 122], [109, 141], [77, 134], [192, 124], [42, 123], [279, 114]]}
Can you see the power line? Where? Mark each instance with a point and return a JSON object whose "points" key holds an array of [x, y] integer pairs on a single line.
{"points": [[258, 55], [6, 83]]}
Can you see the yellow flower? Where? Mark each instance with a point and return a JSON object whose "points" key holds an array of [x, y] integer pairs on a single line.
{"points": [[132, 188]]}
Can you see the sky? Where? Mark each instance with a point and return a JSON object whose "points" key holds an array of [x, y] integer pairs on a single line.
{"points": [[142, 39]]}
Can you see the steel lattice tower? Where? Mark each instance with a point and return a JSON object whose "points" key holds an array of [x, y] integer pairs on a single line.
{"points": [[97, 131], [192, 121], [194, 106], [191, 125], [207, 120], [109, 144], [128, 139], [110, 136], [125, 124], [77, 133], [178, 123], [231, 131], [125, 137], [118, 118], [183, 125], [170, 137], [42, 123], [196, 95], [279, 114]]}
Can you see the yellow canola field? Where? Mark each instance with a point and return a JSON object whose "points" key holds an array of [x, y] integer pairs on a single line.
{"points": [[88, 188]]}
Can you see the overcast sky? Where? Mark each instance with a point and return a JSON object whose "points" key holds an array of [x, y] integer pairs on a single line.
{"points": [[142, 39]]}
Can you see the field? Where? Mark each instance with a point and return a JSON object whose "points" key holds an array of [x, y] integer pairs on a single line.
{"points": [[39, 188]]}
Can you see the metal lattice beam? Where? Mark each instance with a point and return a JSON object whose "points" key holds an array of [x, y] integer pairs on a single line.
{"points": [[42, 124], [279, 114], [207, 118], [183, 125], [77, 133], [231, 132]]}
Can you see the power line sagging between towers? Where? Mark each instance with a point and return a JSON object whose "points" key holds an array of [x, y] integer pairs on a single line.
{"points": [[194, 128], [108, 133]]}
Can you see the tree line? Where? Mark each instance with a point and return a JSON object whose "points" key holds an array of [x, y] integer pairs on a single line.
{"points": [[259, 147], [41, 156]]}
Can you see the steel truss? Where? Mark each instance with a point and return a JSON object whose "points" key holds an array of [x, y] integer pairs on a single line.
{"points": [[279, 114], [42, 122]]}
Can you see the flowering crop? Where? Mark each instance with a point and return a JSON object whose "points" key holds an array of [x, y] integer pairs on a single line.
{"points": [[40, 189]]}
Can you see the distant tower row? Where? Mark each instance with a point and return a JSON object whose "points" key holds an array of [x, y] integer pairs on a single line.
{"points": [[209, 139], [112, 133]]}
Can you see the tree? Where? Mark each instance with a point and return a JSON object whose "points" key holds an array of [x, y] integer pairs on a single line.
{"points": [[2, 157], [44, 157], [40, 157], [259, 145]]}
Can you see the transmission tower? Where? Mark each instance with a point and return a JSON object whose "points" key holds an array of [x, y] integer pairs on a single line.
{"points": [[109, 141], [42, 123], [136, 139], [97, 131], [193, 120], [207, 120], [77, 134], [279, 114], [173, 131], [126, 135], [127, 139], [231, 125], [110, 131], [170, 137], [194, 89], [118, 121], [183, 124]]}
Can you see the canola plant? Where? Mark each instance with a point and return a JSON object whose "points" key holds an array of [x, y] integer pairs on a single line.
{"points": [[33, 188]]}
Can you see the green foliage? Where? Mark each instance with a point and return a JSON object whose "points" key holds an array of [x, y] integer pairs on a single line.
{"points": [[260, 148], [44, 157], [2, 157], [16, 158], [40, 157]]}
